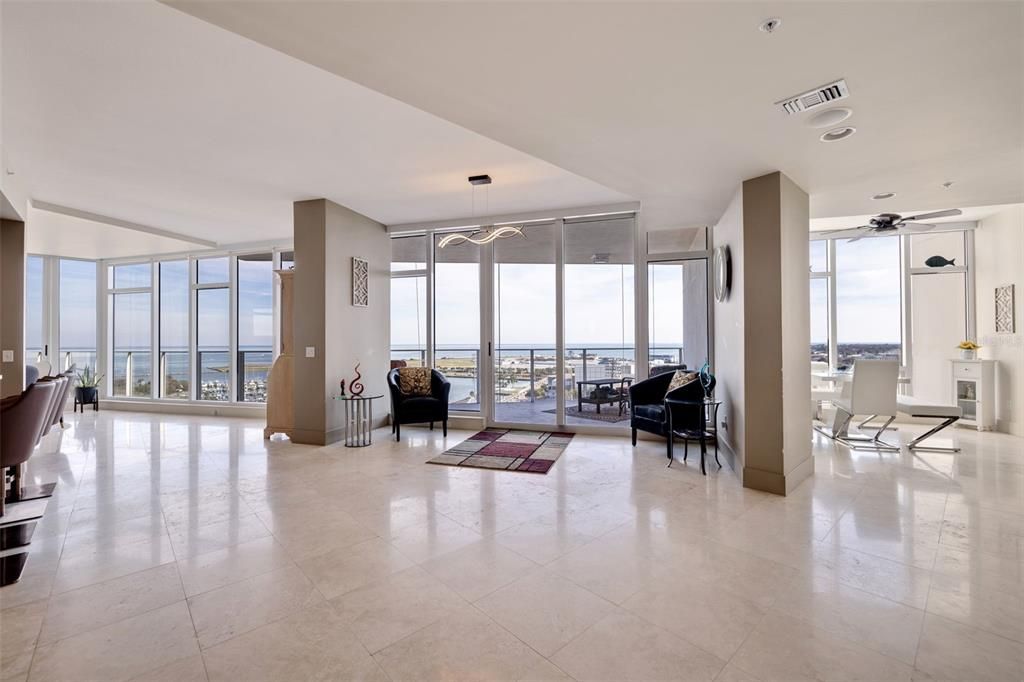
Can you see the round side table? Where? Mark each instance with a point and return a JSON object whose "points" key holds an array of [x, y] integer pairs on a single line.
{"points": [[358, 419]]}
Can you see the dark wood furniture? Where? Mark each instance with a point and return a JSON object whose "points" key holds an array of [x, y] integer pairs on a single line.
{"points": [[599, 398], [688, 419]]}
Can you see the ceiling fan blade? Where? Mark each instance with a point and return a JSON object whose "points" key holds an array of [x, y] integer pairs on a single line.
{"points": [[845, 229], [934, 214], [856, 239], [917, 227]]}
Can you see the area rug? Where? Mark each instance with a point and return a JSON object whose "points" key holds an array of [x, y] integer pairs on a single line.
{"points": [[509, 449], [610, 414]]}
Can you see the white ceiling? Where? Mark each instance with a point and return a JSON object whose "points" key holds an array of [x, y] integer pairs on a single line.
{"points": [[970, 215], [58, 234], [146, 114], [139, 112], [672, 103]]}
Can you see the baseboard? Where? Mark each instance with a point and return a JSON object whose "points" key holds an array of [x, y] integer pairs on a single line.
{"points": [[765, 481], [189, 408], [799, 474], [725, 448], [308, 437]]}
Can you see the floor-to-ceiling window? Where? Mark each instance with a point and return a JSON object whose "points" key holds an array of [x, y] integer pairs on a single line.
{"points": [[517, 322], [209, 320], [409, 300], [175, 376], [213, 329], [599, 319], [677, 309], [525, 355], [130, 287], [36, 344], [77, 313], [820, 301], [457, 318], [869, 287], [255, 325], [907, 297]]}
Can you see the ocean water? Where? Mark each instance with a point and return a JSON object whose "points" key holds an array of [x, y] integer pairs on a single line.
{"points": [[215, 365]]}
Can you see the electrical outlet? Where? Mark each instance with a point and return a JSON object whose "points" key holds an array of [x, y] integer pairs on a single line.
{"points": [[310, 351], [8, 356]]}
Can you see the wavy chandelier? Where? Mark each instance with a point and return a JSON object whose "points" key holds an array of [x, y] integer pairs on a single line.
{"points": [[484, 236]]}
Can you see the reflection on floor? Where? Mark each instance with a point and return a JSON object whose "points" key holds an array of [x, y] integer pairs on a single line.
{"points": [[188, 548]]}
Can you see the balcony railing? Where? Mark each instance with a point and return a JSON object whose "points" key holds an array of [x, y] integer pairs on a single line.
{"points": [[253, 374], [132, 374], [524, 374]]}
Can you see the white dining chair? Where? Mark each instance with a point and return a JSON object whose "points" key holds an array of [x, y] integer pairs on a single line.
{"points": [[872, 391]]}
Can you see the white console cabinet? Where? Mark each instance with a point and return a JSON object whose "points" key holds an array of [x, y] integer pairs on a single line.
{"points": [[974, 391]]}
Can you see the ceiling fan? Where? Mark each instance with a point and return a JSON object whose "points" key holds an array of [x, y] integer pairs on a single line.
{"points": [[894, 223]]}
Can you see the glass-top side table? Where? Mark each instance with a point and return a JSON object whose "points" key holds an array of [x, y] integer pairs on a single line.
{"points": [[358, 419]]}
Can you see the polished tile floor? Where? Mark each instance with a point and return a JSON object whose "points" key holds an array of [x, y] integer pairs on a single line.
{"points": [[186, 548]]}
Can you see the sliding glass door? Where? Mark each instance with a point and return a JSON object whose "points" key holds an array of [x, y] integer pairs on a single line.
{"points": [[525, 356], [534, 328], [600, 354], [457, 319]]}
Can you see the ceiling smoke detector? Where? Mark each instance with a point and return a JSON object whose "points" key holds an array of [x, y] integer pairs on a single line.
{"points": [[884, 195], [837, 134], [826, 94], [769, 25]]}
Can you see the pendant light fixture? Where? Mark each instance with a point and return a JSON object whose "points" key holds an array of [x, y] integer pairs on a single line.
{"points": [[485, 235]]}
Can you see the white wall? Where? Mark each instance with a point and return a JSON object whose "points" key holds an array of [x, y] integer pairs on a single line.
{"points": [[729, 345], [355, 334], [327, 236], [999, 260], [796, 323]]}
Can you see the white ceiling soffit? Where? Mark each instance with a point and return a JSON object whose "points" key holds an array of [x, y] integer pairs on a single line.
{"points": [[674, 103], [73, 234], [971, 214], [138, 111]]}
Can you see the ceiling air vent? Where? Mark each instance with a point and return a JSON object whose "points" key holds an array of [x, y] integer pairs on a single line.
{"points": [[826, 94]]}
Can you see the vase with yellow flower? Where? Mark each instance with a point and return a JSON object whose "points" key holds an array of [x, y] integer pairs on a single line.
{"points": [[968, 350]]}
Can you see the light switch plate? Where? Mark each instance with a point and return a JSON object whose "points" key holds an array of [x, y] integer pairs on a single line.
{"points": [[310, 351], [8, 356]]}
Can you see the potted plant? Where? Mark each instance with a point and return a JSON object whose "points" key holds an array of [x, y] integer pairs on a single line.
{"points": [[968, 350], [86, 385]]}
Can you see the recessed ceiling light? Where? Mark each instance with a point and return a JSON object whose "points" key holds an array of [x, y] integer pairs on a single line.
{"points": [[884, 195], [830, 117], [837, 134], [769, 25]]}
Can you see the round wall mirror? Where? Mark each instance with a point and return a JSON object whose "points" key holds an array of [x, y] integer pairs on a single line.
{"points": [[722, 267]]}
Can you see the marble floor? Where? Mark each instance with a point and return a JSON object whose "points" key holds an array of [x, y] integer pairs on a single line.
{"points": [[187, 548]]}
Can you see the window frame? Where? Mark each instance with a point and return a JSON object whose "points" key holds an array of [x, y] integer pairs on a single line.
{"points": [[907, 272], [641, 258], [105, 319]]}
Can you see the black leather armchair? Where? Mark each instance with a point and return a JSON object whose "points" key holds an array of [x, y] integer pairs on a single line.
{"points": [[647, 402], [417, 409]]}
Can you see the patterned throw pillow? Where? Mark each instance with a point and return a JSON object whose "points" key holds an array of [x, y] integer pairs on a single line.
{"points": [[679, 379], [414, 380]]}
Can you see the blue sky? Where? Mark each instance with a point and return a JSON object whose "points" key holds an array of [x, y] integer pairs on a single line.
{"points": [[132, 329]]}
